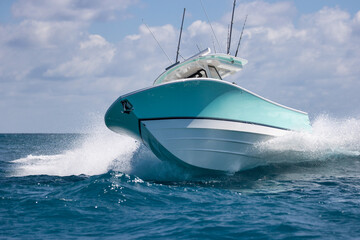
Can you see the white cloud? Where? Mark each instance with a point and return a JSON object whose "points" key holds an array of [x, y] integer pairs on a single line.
{"points": [[311, 66], [69, 10], [262, 13], [40, 34], [333, 24], [141, 54], [92, 57]]}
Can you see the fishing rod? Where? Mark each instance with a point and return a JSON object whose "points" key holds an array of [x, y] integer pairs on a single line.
{"points": [[237, 49], [178, 48], [231, 26]]}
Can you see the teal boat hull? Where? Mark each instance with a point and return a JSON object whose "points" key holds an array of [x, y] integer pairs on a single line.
{"points": [[205, 123]]}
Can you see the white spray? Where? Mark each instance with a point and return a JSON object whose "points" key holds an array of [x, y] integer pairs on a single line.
{"points": [[103, 150], [329, 137], [93, 154]]}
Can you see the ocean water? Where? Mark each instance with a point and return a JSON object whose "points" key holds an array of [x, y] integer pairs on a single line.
{"points": [[104, 185]]}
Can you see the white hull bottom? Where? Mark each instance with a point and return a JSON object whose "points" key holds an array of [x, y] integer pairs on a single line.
{"points": [[206, 143]]}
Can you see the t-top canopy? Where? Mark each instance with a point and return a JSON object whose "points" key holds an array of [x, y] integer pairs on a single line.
{"points": [[203, 65]]}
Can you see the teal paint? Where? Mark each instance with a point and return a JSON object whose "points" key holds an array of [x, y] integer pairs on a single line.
{"points": [[203, 98]]}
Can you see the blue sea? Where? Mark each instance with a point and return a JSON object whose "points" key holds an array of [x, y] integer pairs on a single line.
{"points": [[107, 186]]}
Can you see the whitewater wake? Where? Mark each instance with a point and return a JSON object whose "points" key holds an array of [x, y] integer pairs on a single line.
{"points": [[93, 154], [329, 137], [102, 151]]}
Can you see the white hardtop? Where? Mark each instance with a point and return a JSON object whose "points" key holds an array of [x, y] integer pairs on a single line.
{"points": [[203, 65]]}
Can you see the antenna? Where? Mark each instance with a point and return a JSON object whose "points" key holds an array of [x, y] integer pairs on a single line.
{"points": [[237, 49], [227, 42], [210, 26], [198, 47], [232, 21], [178, 48], [157, 41]]}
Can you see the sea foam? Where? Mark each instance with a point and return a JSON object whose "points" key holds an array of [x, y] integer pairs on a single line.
{"points": [[93, 154], [329, 137], [102, 150]]}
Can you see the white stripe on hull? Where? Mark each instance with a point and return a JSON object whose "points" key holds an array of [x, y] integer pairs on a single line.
{"points": [[211, 144]]}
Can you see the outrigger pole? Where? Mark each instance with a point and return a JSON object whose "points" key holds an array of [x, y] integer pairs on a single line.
{"points": [[157, 41], [178, 48], [237, 49], [231, 25]]}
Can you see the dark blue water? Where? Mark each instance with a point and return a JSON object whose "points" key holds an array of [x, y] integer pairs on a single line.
{"points": [[103, 185]]}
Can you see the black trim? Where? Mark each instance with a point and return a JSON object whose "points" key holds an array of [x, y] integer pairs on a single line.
{"points": [[139, 123], [209, 118], [172, 65]]}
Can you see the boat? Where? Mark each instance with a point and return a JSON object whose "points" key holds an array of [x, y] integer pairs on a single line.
{"points": [[193, 117]]}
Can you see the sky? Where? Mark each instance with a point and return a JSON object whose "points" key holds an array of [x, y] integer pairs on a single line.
{"points": [[62, 62]]}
